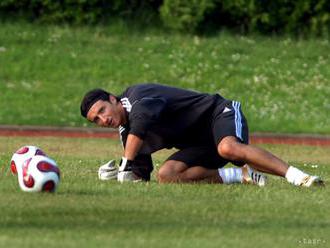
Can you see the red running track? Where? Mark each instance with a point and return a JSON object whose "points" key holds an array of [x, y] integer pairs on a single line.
{"points": [[68, 132]]}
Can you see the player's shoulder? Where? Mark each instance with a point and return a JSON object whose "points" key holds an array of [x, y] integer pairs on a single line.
{"points": [[141, 90], [145, 86]]}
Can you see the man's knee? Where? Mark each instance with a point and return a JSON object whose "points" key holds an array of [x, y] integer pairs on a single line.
{"points": [[164, 174], [230, 148], [170, 170]]}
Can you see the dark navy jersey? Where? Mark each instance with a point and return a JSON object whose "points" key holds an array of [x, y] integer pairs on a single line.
{"points": [[166, 117]]}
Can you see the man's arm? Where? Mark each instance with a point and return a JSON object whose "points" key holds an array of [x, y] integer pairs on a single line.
{"points": [[127, 164], [144, 114], [133, 146], [142, 166]]}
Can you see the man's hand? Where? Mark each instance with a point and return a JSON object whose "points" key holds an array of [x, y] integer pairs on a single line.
{"points": [[125, 171], [108, 171], [126, 176]]}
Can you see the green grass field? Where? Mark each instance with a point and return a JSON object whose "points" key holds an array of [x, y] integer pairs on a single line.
{"points": [[282, 82], [86, 212]]}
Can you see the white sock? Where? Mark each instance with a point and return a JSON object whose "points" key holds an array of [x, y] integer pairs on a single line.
{"points": [[294, 175], [231, 175]]}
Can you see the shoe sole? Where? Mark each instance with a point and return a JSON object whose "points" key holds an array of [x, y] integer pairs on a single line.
{"points": [[318, 182], [313, 181]]}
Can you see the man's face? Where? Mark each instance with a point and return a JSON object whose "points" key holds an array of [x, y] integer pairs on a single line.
{"points": [[107, 113]]}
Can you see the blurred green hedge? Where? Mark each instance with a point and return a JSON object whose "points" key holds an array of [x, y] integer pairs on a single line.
{"points": [[76, 11], [264, 16]]}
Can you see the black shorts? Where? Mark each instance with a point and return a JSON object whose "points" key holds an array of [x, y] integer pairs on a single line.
{"points": [[205, 156], [228, 120]]}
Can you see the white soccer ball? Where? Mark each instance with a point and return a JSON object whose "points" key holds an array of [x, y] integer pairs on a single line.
{"points": [[39, 173], [21, 155]]}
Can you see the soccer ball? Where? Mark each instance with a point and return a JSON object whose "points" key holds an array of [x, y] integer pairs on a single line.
{"points": [[22, 154], [39, 173], [36, 171]]}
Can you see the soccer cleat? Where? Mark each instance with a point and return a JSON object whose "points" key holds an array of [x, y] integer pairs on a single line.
{"points": [[250, 176], [309, 181]]}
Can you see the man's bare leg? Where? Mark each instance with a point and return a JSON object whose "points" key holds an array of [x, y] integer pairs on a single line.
{"points": [[230, 148], [173, 171]]}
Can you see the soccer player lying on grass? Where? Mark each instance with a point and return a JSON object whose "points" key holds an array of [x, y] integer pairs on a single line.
{"points": [[208, 130]]}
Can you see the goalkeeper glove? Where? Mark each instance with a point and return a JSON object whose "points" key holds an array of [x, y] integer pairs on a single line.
{"points": [[125, 171], [108, 171]]}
